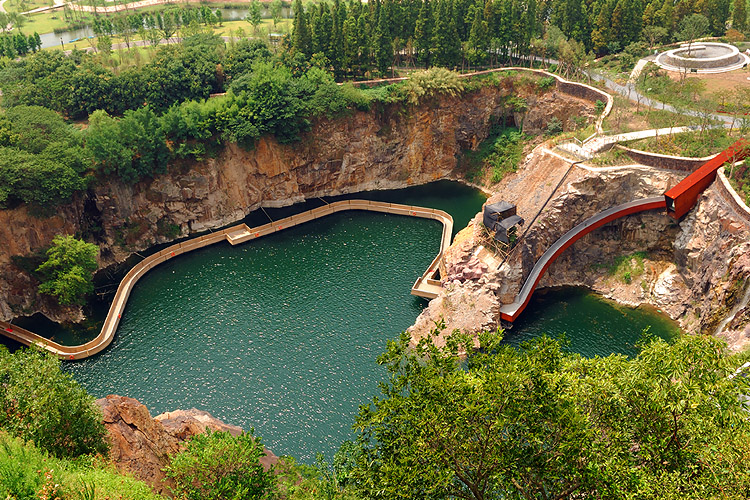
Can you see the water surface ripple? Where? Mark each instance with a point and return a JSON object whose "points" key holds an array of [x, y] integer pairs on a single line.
{"points": [[282, 333]]}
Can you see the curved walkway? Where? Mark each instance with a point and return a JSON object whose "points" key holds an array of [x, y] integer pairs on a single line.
{"points": [[234, 235], [509, 312]]}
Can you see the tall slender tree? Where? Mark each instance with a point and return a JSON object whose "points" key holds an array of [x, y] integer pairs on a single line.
{"points": [[301, 39], [445, 40], [423, 34], [739, 15]]}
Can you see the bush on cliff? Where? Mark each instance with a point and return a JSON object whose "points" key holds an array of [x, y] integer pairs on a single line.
{"points": [[40, 403], [68, 271], [28, 473], [431, 82], [41, 158], [218, 466]]}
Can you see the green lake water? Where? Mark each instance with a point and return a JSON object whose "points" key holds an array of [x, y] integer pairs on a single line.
{"points": [[282, 333]]}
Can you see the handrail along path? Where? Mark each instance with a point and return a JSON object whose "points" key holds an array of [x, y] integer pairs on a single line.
{"points": [[424, 286]]}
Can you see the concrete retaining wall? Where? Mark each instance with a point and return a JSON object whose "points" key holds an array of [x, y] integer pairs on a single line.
{"points": [[680, 163], [729, 194]]}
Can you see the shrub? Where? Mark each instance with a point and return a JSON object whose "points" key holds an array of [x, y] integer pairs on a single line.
{"points": [[546, 82], [68, 270], [40, 403], [431, 82], [637, 49], [626, 61], [554, 126], [28, 473], [216, 465]]}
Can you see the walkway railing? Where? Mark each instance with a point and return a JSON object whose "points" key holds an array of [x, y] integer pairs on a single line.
{"points": [[234, 235]]}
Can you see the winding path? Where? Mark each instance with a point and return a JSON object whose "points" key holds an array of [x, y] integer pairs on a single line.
{"points": [[234, 235]]}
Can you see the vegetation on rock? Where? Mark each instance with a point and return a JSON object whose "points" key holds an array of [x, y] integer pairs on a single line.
{"points": [[27, 472], [218, 466], [498, 155], [40, 403]]}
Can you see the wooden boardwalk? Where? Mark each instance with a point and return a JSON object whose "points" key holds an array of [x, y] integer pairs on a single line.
{"points": [[425, 285]]}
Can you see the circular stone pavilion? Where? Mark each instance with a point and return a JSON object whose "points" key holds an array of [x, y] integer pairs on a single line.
{"points": [[703, 57]]}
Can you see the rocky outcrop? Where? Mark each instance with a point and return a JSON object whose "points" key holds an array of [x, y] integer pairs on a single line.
{"points": [[141, 445], [697, 270], [388, 147]]}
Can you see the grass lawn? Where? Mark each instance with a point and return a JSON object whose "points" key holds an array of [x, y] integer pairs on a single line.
{"points": [[228, 28], [24, 5], [44, 22], [694, 144]]}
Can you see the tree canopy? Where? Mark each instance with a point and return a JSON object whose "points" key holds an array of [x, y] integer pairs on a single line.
{"points": [[537, 422], [68, 271], [40, 403]]}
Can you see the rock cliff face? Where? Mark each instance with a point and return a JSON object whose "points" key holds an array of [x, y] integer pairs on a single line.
{"points": [[141, 445], [696, 270], [389, 147]]}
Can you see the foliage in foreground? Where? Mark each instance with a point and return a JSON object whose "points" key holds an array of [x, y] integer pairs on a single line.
{"points": [[540, 423], [217, 466], [40, 403], [28, 473], [68, 270]]}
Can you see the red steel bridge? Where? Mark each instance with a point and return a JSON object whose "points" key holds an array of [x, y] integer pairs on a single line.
{"points": [[678, 201]]}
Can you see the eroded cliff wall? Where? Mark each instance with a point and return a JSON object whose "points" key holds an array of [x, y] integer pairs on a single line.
{"points": [[388, 147], [695, 270]]}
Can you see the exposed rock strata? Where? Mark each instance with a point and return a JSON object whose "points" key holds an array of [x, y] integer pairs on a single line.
{"points": [[140, 445], [389, 147], [695, 271]]}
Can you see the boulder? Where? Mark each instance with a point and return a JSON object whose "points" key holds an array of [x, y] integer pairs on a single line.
{"points": [[140, 445]]}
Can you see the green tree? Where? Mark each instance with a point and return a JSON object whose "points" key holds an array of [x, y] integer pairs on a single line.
{"points": [[739, 15], [692, 27], [446, 43], [536, 422], [478, 38], [383, 43], [218, 466], [424, 33], [494, 430], [717, 12], [68, 270], [653, 35], [104, 44], [276, 8], [301, 36], [240, 58], [40, 403], [253, 15]]}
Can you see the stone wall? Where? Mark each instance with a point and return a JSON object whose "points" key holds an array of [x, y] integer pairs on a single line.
{"points": [[680, 163], [729, 194]]}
